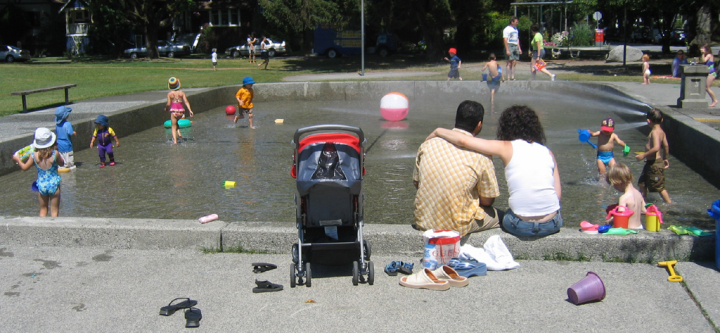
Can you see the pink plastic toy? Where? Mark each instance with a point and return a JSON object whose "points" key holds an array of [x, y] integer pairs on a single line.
{"points": [[620, 218], [209, 218]]}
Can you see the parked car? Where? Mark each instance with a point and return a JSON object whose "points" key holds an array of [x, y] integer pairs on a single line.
{"points": [[11, 53], [242, 50], [165, 49]]}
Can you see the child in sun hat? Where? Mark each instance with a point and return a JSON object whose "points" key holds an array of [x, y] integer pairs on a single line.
{"points": [[244, 98], [104, 135], [46, 160], [455, 64], [64, 130], [175, 100], [605, 145]]}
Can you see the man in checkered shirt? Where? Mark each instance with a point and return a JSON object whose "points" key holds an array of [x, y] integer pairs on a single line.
{"points": [[456, 187]]}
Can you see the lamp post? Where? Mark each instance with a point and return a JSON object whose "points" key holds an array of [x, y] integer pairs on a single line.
{"points": [[362, 37]]}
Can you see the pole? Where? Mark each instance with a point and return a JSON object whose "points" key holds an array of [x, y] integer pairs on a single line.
{"points": [[362, 37], [625, 39]]}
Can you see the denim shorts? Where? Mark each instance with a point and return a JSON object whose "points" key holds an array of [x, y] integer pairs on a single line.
{"points": [[514, 225]]}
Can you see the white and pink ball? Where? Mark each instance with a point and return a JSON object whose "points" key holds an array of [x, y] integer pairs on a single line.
{"points": [[394, 106]]}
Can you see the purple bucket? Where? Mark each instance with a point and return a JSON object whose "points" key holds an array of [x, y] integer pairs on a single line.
{"points": [[589, 289]]}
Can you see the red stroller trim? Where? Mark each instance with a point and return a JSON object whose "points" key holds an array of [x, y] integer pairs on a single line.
{"points": [[344, 138]]}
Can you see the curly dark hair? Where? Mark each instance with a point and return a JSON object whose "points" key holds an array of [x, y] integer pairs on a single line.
{"points": [[520, 122]]}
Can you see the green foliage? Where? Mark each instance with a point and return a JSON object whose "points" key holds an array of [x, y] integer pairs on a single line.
{"points": [[581, 35]]}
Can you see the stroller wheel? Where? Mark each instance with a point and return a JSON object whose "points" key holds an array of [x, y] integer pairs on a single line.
{"points": [[308, 275], [292, 275], [355, 273], [371, 273], [295, 253], [367, 249]]}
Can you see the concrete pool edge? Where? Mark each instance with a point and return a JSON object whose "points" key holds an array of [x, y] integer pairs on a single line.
{"points": [[385, 239]]}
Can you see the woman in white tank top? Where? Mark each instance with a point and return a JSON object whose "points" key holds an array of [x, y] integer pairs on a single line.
{"points": [[530, 170]]}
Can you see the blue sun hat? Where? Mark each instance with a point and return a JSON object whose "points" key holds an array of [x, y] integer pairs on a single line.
{"points": [[102, 120], [248, 80], [61, 113]]}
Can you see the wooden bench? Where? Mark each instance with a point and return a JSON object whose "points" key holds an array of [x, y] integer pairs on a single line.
{"points": [[39, 90]]}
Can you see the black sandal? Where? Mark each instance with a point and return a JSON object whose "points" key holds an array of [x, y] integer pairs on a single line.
{"points": [[193, 316], [266, 286], [259, 267], [171, 308]]}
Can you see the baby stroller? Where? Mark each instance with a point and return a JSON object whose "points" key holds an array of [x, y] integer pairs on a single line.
{"points": [[329, 169]]}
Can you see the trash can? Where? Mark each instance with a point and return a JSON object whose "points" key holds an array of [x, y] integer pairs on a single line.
{"points": [[715, 213], [599, 37]]}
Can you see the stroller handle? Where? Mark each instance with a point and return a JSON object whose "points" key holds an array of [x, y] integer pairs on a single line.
{"points": [[329, 127]]}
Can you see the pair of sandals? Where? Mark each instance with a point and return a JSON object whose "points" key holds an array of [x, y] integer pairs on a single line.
{"points": [[394, 267], [264, 286], [192, 314]]}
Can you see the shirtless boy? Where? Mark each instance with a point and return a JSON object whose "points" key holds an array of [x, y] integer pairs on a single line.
{"points": [[656, 153]]}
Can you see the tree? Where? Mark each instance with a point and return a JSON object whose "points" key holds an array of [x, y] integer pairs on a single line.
{"points": [[301, 16], [150, 15]]}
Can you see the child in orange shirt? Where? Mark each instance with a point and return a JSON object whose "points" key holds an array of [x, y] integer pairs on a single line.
{"points": [[244, 98]]}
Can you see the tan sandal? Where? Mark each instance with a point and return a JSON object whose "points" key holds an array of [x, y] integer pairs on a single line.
{"points": [[446, 273], [424, 279]]}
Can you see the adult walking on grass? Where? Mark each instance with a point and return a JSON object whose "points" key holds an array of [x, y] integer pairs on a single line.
{"points": [[511, 38], [264, 52]]}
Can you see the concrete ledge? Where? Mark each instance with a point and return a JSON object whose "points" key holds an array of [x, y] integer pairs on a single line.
{"points": [[385, 239], [109, 233]]}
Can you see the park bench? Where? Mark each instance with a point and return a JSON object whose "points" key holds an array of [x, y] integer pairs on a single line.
{"points": [[39, 90], [556, 51]]}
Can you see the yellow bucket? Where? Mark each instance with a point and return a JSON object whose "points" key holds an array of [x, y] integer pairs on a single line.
{"points": [[229, 183], [652, 223]]}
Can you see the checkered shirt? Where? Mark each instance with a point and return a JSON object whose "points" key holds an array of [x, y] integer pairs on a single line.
{"points": [[451, 181]]}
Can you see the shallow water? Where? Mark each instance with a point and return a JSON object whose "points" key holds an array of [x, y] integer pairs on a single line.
{"points": [[154, 179]]}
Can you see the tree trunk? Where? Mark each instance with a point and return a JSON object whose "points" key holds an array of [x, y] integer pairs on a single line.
{"points": [[702, 30], [151, 29]]}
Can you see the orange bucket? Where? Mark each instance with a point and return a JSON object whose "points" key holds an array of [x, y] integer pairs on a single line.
{"points": [[620, 218]]}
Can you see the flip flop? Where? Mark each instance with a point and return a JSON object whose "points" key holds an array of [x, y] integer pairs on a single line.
{"points": [[445, 273], [192, 317], [259, 267], [406, 267], [266, 286], [468, 268], [171, 308], [424, 279], [392, 268]]}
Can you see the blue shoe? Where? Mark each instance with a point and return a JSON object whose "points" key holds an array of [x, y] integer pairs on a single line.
{"points": [[392, 268], [468, 268], [406, 267]]}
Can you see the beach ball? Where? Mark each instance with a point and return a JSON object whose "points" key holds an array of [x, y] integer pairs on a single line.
{"points": [[394, 106], [230, 110]]}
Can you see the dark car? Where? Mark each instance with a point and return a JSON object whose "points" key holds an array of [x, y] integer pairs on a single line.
{"points": [[165, 49], [11, 53]]}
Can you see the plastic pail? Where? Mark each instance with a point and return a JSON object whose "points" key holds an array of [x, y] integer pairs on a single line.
{"points": [[715, 213], [652, 223], [590, 288], [484, 77], [620, 219]]}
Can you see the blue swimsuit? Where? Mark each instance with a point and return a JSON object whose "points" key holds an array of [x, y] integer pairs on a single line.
{"points": [[48, 180], [711, 68], [605, 156]]}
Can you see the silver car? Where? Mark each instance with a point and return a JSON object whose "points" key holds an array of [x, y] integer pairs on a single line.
{"points": [[165, 49], [273, 48], [11, 53]]}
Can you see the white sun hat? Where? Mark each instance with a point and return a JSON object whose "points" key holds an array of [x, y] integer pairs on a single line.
{"points": [[43, 138]]}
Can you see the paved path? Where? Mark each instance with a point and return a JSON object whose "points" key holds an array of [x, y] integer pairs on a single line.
{"points": [[101, 290]]}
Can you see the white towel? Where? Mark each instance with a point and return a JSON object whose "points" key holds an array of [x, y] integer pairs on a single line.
{"points": [[495, 254]]}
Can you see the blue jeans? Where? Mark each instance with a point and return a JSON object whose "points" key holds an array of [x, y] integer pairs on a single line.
{"points": [[514, 225]]}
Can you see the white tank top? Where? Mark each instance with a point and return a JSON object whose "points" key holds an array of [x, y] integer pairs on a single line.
{"points": [[530, 180]]}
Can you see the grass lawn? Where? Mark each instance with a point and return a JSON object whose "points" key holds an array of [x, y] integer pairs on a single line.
{"points": [[97, 78]]}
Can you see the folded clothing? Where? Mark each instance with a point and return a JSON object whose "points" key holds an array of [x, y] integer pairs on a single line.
{"points": [[494, 254]]}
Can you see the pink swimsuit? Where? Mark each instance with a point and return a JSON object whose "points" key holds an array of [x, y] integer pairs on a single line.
{"points": [[176, 106]]}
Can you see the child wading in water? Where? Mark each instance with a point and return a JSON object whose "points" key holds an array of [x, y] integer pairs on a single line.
{"points": [[646, 69], [621, 179], [175, 100], [244, 98], [46, 160], [605, 145], [104, 134], [656, 158], [493, 81]]}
